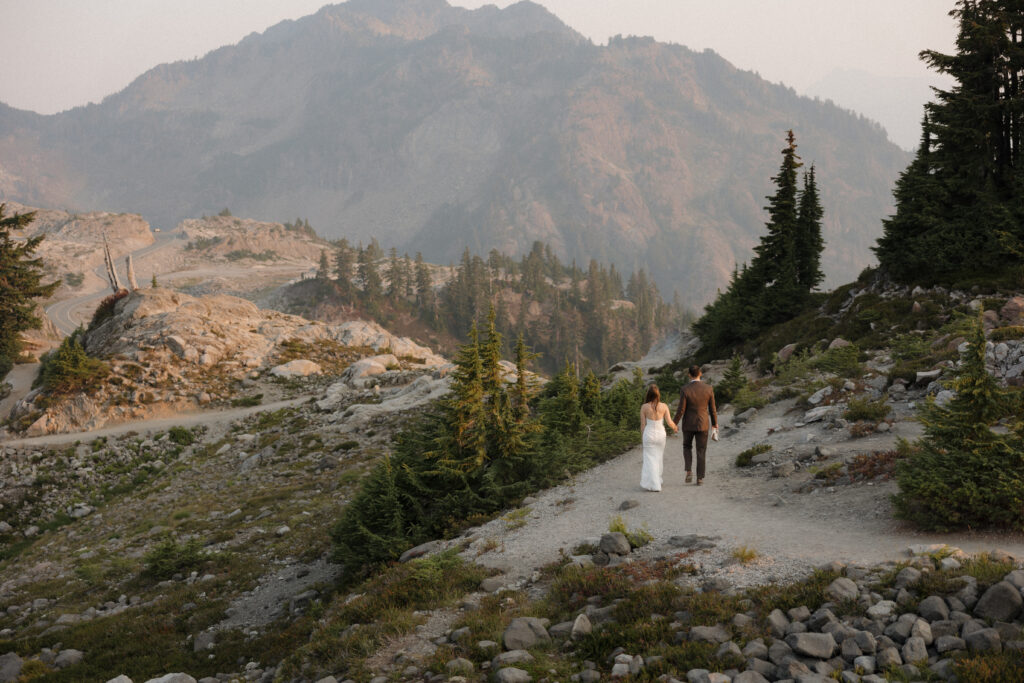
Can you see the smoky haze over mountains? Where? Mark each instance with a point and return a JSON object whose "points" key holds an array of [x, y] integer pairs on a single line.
{"points": [[434, 128]]}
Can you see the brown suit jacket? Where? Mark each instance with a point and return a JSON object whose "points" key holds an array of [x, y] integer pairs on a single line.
{"points": [[696, 405]]}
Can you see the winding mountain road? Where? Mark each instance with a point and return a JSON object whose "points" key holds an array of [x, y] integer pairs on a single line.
{"points": [[69, 314]]}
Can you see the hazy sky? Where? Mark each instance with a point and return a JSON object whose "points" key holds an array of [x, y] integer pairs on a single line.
{"points": [[58, 54]]}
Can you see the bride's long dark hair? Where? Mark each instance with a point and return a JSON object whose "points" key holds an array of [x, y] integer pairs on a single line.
{"points": [[653, 394]]}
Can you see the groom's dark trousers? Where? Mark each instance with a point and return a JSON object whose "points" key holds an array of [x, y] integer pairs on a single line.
{"points": [[702, 449]]}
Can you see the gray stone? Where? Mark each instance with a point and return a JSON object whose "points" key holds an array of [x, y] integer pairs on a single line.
{"points": [[779, 652], [887, 657], [710, 634], [173, 678], [819, 395], [842, 589], [783, 469], [850, 650], [777, 623], [492, 583], [756, 649], [761, 666], [124, 679], [949, 644], [915, 650], [923, 630], [866, 641], [1001, 602], [943, 669], [10, 667], [581, 627], [203, 641], [1016, 577], [511, 657], [984, 640], [749, 677], [801, 613], [615, 543], [786, 352], [816, 645], [510, 674], [728, 649], [933, 608], [693, 541], [629, 504], [523, 633], [590, 676], [69, 657], [460, 666], [908, 576], [865, 663], [882, 609]]}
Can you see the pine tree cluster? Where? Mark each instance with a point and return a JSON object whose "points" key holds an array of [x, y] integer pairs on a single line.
{"points": [[482, 448], [959, 214], [786, 267], [560, 310]]}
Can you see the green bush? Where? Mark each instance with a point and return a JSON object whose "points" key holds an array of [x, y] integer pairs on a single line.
{"points": [[1005, 333], [181, 436], [748, 397], [864, 409], [69, 369], [744, 459], [247, 401], [169, 558], [843, 361], [961, 474]]}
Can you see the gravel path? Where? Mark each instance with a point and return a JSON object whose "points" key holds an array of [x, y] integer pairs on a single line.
{"points": [[791, 532]]}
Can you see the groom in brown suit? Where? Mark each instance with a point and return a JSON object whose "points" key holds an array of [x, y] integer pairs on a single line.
{"points": [[696, 406]]}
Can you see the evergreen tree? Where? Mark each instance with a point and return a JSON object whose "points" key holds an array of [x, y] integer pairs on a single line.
{"points": [[21, 278], [808, 237], [733, 380], [958, 204], [373, 288], [775, 264], [465, 448], [396, 283], [343, 263], [323, 271], [962, 474], [426, 302]]}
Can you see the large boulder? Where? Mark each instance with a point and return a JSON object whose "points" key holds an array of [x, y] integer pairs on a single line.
{"points": [[1012, 312], [296, 368], [615, 543], [816, 645], [1001, 602], [525, 632], [10, 667]]}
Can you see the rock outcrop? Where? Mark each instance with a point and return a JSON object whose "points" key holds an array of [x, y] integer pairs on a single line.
{"points": [[169, 352]]}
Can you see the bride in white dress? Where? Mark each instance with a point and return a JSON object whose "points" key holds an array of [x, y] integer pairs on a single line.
{"points": [[653, 415]]}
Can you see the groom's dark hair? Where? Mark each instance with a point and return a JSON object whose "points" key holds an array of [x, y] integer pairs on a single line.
{"points": [[694, 370]]}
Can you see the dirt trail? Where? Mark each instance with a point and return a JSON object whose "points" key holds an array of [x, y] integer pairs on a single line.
{"points": [[20, 378], [851, 523], [208, 418]]}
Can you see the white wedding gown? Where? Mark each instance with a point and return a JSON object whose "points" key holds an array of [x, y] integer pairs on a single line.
{"points": [[654, 448]]}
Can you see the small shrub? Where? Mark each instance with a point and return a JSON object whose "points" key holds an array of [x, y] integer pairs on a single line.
{"points": [[169, 558], [748, 397], [181, 436], [637, 537], [843, 361], [732, 382], [744, 459], [105, 310], [69, 369], [744, 554], [348, 445], [1009, 332], [516, 518], [829, 473], [867, 410], [247, 401], [878, 464], [858, 430], [74, 279]]}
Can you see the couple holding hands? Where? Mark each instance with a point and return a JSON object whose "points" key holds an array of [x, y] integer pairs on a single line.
{"points": [[697, 412]]}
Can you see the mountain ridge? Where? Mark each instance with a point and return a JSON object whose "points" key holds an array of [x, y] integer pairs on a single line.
{"points": [[439, 128]]}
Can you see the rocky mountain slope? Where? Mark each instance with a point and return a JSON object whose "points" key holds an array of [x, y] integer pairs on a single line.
{"points": [[211, 539], [432, 127], [169, 352]]}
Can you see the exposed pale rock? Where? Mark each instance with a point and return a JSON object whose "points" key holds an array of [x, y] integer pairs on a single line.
{"points": [[297, 368]]}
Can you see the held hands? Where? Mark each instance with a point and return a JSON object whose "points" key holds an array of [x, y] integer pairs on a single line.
{"points": [[714, 433]]}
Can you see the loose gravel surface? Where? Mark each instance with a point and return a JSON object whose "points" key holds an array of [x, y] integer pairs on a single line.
{"points": [[790, 532]]}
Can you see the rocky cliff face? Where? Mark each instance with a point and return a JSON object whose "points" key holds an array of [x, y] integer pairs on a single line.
{"points": [[170, 352], [432, 127]]}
